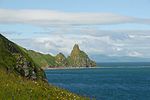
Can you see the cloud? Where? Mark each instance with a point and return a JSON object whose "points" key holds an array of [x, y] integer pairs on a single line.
{"points": [[135, 54], [50, 18], [124, 43]]}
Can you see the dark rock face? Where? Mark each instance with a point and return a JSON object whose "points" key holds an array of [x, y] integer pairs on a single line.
{"points": [[14, 59], [24, 67], [79, 58]]}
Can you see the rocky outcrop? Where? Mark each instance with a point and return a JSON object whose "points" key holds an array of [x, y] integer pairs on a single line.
{"points": [[79, 58], [61, 60], [24, 67]]}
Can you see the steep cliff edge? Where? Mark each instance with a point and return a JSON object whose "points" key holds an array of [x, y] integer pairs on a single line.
{"points": [[14, 59]]}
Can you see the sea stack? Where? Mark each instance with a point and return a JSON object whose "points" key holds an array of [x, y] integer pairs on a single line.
{"points": [[79, 58]]}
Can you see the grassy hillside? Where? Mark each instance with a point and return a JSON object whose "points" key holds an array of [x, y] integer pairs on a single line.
{"points": [[42, 60], [14, 87]]}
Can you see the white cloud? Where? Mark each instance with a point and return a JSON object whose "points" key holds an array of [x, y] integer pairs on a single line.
{"points": [[118, 49], [135, 54], [135, 36], [48, 17]]}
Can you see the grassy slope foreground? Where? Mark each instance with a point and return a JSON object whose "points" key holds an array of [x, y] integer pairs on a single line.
{"points": [[14, 87]]}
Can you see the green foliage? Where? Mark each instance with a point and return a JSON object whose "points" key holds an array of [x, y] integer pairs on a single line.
{"points": [[14, 87]]}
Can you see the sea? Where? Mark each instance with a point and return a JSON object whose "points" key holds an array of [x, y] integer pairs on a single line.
{"points": [[108, 81]]}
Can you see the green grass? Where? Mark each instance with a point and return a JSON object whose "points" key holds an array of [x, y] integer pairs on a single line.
{"points": [[14, 87]]}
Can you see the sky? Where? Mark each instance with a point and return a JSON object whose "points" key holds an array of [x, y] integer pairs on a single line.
{"points": [[114, 28]]}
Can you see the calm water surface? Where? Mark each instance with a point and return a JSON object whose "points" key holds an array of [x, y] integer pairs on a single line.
{"points": [[110, 83]]}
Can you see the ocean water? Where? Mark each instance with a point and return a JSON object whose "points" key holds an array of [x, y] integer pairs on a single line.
{"points": [[111, 81]]}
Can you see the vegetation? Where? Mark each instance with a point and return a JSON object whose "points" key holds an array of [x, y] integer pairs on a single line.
{"points": [[42, 60], [14, 87]]}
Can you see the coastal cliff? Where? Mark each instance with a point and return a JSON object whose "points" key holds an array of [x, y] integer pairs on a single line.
{"points": [[14, 59], [77, 58]]}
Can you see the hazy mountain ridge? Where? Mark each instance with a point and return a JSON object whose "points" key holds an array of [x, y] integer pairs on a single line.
{"points": [[105, 58]]}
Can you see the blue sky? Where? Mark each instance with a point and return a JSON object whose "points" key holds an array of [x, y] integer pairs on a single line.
{"points": [[128, 7], [100, 27]]}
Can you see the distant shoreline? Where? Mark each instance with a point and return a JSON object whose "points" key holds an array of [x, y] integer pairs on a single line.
{"points": [[68, 68], [59, 68]]}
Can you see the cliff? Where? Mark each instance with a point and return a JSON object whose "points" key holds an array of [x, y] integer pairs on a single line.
{"points": [[14, 59]]}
